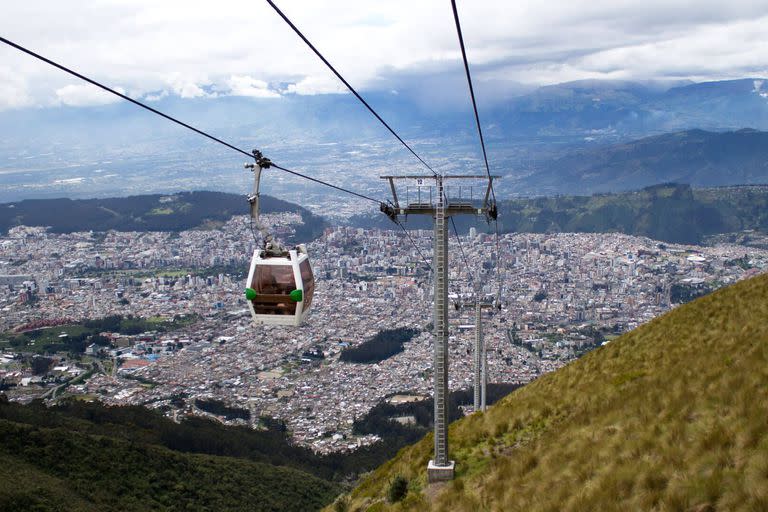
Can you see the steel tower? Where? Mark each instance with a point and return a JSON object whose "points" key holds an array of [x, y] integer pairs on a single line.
{"points": [[435, 200]]}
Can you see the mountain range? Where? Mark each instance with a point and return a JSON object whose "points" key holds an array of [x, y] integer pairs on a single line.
{"points": [[670, 212], [624, 108], [695, 157], [532, 136], [154, 212], [585, 108]]}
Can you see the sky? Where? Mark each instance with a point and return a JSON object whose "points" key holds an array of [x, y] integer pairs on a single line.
{"points": [[152, 50]]}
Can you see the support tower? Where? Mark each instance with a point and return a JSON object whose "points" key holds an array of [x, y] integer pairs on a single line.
{"points": [[441, 203]]}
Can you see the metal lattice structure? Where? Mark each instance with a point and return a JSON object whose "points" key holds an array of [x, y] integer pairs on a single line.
{"points": [[437, 201], [480, 355], [441, 329]]}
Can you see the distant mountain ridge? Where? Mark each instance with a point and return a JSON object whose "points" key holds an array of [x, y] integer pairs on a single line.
{"points": [[697, 157], [670, 212], [89, 151], [578, 108], [605, 107], [155, 212]]}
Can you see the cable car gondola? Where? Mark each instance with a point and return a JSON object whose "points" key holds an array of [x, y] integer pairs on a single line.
{"points": [[280, 286], [280, 281]]}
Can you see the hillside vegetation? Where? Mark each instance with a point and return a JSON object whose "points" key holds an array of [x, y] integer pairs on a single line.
{"points": [[53, 449], [142, 426], [669, 212], [669, 417], [156, 212], [60, 469]]}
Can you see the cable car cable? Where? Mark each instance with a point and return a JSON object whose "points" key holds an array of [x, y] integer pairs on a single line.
{"points": [[471, 93], [321, 182], [177, 121], [351, 89], [220, 141], [498, 266], [482, 143], [372, 111], [463, 254], [386, 125], [368, 106], [426, 262]]}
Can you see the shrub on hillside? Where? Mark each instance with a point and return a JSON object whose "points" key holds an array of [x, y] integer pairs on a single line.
{"points": [[398, 488]]}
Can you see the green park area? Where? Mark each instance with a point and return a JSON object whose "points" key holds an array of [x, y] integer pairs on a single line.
{"points": [[74, 338], [236, 272]]}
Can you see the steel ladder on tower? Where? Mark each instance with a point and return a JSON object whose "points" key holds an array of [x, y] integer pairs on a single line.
{"points": [[441, 329]]}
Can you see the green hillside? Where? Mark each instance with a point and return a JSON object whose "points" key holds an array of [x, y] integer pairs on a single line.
{"points": [[670, 212], [86, 457], [669, 417], [154, 212], [54, 469]]}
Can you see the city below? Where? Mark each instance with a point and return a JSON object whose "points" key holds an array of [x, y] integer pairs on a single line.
{"points": [[561, 295]]}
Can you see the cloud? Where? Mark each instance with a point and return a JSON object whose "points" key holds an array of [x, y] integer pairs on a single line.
{"points": [[189, 85], [189, 90], [312, 85], [243, 85], [240, 47], [13, 90], [85, 95], [156, 96]]}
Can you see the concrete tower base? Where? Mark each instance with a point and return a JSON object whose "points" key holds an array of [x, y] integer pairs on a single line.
{"points": [[440, 473]]}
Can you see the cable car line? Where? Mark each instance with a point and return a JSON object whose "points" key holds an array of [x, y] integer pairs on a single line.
{"points": [[351, 89], [383, 206], [321, 182], [494, 215], [461, 248], [386, 125], [471, 93], [424, 259], [368, 106], [177, 121], [252, 154]]}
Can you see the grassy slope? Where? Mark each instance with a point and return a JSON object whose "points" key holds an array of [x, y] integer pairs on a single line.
{"points": [[50, 469], [671, 416]]}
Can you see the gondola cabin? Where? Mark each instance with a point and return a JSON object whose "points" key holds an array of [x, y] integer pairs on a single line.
{"points": [[279, 287]]}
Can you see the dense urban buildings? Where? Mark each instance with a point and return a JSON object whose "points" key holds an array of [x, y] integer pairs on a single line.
{"points": [[561, 295]]}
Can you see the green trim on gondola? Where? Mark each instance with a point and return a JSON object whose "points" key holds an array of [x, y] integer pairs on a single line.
{"points": [[250, 293], [297, 295]]}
